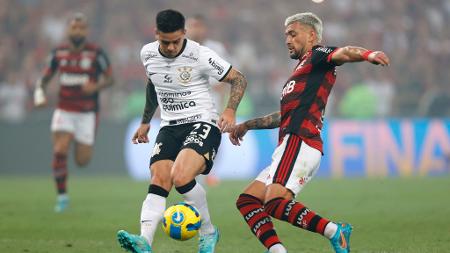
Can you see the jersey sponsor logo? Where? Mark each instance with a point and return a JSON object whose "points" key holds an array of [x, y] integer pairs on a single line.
{"points": [[288, 88], [300, 220], [259, 224], [167, 78], [174, 94], [171, 105], [185, 75], [73, 79], [193, 139], [85, 63], [190, 56], [190, 119], [150, 54], [324, 49], [63, 62], [252, 213], [289, 207], [217, 66]]}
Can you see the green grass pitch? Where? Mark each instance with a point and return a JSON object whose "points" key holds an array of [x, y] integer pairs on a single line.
{"points": [[389, 215]]}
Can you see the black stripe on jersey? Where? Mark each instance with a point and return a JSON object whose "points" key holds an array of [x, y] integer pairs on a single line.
{"points": [[313, 83]]}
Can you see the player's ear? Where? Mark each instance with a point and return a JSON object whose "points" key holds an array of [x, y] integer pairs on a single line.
{"points": [[312, 38], [156, 33]]}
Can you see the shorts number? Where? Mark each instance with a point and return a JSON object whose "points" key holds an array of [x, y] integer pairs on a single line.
{"points": [[206, 129]]}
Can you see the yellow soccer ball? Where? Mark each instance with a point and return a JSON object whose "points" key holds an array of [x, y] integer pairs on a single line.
{"points": [[181, 221]]}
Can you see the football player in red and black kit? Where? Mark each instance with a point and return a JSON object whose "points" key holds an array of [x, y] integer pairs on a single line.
{"points": [[297, 157], [84, 70]]}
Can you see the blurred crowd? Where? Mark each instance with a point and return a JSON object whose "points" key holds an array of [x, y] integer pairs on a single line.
{"points": [[413, 33]]}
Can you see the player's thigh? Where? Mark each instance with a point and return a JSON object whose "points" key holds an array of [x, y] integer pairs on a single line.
{"points": [[167, 145], [62, 127], [188, 164], [204, 139], [160, 171], [85, 126], [293, 165], [83, 153]]}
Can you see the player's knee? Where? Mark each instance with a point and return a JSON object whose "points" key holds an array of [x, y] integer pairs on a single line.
{"points": [[179, 179], [161, 180], [82, 161]]}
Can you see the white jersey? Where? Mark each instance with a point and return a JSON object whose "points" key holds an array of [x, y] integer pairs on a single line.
{"points": [[182, 83]]}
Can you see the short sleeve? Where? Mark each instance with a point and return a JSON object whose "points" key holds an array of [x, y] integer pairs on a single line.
{"points": [[52, 63], [321, 56], [212, 64], [103, 62]]}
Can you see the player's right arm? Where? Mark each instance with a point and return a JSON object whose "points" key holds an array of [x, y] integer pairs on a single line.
{"points": [[151, 104], [266, 122], [39, 91]]}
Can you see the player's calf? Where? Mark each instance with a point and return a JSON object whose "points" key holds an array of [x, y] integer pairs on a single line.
{"points": [[251, 208], [300, 216]]}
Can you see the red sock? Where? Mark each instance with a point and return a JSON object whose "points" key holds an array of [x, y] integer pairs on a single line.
{"points": [[257, 219], [297, 214], [60, 172]]}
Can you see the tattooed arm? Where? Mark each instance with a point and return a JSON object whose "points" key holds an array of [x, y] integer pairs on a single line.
{"points": [[266, 122], [151, 103], [238, 84]]}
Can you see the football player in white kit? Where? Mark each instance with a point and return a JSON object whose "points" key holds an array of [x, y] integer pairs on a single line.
{"points": [[178, 71]]}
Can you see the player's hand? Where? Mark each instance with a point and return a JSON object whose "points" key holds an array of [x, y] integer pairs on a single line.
{"points": [[39, 98], [141, 135], [227, 120], [237, 134], [378, 58], [89, 88]]}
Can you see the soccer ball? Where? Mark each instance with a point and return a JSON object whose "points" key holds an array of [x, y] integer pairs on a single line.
{"points": [[181, 221]]}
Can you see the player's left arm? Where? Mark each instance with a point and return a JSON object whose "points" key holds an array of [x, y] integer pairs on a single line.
{"points": [[106, 79], [357, 54], [238, 84]]}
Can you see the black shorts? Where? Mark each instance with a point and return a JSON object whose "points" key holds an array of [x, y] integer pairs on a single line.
{"points": [[202, 137]]}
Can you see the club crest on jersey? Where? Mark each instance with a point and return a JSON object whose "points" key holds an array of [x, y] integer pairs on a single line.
{"points": [[85, 63], [185, 75]]}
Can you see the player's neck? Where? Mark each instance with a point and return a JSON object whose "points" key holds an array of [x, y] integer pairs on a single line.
{"points": [[77, 48]]}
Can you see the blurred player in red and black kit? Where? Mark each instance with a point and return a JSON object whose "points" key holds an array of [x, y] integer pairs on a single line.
{"points": [[84, 70], [297, 157]]}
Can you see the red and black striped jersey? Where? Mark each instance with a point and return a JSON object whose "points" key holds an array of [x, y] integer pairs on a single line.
{"points": [[75, 69], [305, 96]]}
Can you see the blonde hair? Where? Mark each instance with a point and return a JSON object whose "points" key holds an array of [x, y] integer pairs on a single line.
{"points": [[307, 18]]}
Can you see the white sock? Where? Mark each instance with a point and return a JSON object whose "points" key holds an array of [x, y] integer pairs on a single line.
{"points": [[151, 214], [278, 248], [62, 197], [197, 197], [330, 230]]}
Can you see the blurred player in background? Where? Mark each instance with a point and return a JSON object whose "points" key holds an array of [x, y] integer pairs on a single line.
{"points": [[84, 70], [297, 157], [178, 72], [197, 30]]}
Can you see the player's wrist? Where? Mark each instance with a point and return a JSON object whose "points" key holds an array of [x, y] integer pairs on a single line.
{"points": [[366, 55]]}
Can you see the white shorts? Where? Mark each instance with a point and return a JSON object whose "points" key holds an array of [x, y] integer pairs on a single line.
{"points": [[81, 124], [294, 164]]}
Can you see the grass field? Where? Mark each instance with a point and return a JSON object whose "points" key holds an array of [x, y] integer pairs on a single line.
{"points": [[391, 215]]}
